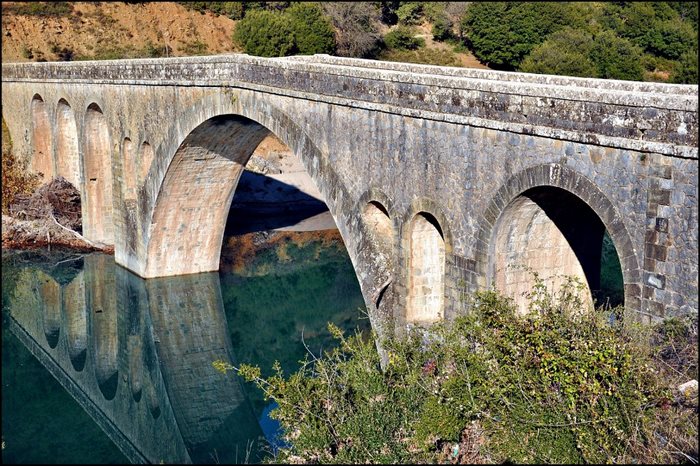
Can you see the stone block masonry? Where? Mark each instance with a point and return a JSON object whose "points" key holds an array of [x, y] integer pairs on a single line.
{"points": [[477, 152]]}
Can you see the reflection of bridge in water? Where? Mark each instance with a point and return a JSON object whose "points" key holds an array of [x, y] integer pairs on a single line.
{"points": [[137, 364]]}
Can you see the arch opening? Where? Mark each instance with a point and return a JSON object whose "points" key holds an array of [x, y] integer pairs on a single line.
{"points": [[67, 151], [97, 218], [552, 232], [42, 156], [426, 270]]}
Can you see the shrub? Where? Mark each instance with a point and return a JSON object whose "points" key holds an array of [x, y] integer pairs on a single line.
{"points": [[266, 34], [565, 52], [686, 70], [301, 28], [562, 384], [442, 28], [410, 13], [313, 31], [616, 58], [16, 176], [402, 38], [503, 33]]}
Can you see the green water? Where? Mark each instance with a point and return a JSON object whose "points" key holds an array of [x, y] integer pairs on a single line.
{"points": [[265, 312]]}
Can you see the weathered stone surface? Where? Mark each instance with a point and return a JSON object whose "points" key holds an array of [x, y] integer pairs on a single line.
{"points": [[459, 145]]}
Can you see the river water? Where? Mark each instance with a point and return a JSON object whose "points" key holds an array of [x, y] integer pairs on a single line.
{"points": [[100, 366]]}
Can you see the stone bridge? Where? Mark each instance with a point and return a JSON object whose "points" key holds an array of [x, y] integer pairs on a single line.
{"points": [[440, 180]]}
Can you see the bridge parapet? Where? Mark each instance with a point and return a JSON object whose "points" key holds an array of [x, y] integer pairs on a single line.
{"points": [[645, 117]]}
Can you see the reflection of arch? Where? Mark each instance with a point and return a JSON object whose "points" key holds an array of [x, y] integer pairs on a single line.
{"points": [[549, 188], [50, 295], [75, 314], [42, 158], [67, 155], [186, 230], [97, 223], [426, 270], [101, 304]]}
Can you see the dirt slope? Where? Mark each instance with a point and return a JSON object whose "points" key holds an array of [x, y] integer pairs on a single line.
{"points": [[108, 29]]}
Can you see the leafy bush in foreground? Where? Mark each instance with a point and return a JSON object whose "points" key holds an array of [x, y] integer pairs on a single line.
{"points": [[560, 385]]}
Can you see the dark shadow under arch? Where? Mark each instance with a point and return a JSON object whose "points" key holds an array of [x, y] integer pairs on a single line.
{"points": [[551, 186]]}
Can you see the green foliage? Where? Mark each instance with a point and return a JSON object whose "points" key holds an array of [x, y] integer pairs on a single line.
{"points": [[559, 385], [442, 28], [616, 58], [686, 71], [566, 52], [196, 47], [410, 13], [16, 176], [301, 28], [313, 31], [233, 10], [655, 26], [422, 55], [54, 9], [403, 38], [265, 34], [503, 33]]}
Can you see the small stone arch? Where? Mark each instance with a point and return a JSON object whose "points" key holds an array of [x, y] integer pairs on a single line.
{"points": [[42, 139], [129, 174], [98, 211], [67, 147], [425, 300], [516, 197]]}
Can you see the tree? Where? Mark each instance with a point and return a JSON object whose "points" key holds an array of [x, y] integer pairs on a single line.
{"points": [[265, 34], [356, 34], [503, 33], [313, 32], [565, 52], [686, 71], [616, 57], [301, 28], [410, 13]]}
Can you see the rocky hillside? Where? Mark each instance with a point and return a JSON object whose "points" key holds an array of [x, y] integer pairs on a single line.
{"points": [[104, 30]]}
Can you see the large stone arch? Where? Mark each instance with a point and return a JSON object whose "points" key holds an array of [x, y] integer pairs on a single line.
{"points": [[243, 120], [427, 215], [572, 184]]}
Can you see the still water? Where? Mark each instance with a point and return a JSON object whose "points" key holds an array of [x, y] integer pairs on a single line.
{"points": [[100, 366]]}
